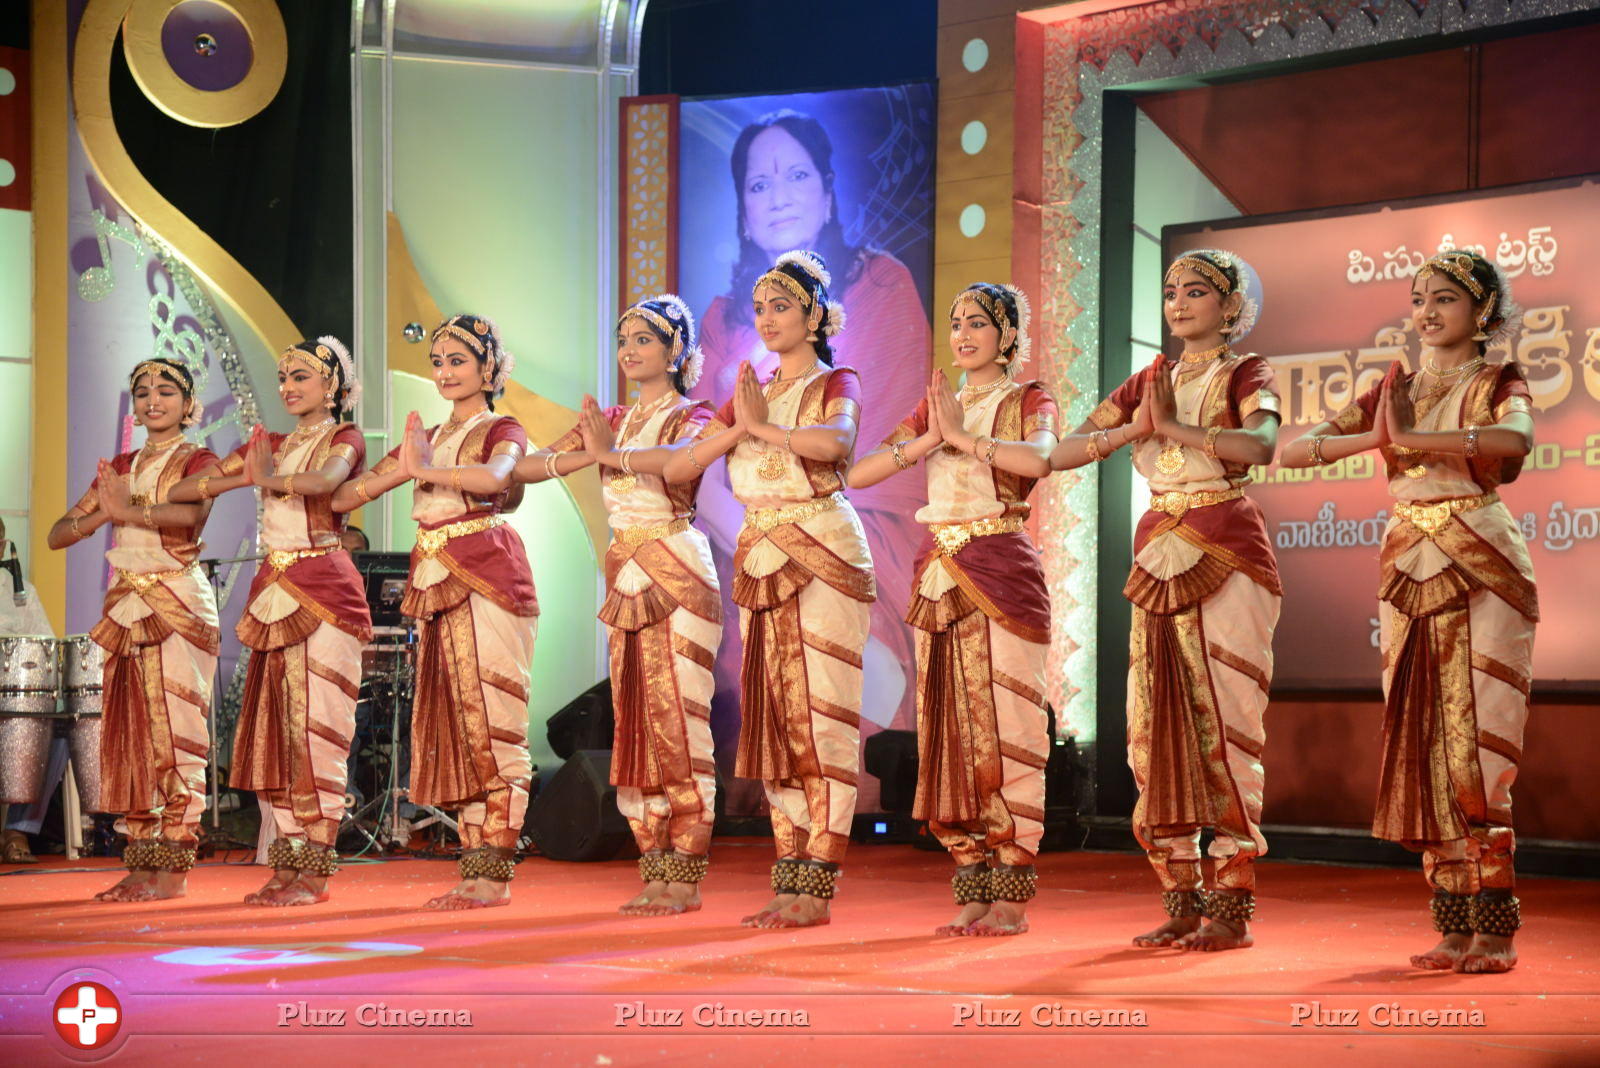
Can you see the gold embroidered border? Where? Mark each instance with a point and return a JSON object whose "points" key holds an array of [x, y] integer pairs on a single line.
{"points": [[1504, 672], [683, 646], [349, 687], [1018, 687], [1239, 740], [1022, 755], [835, 712], [839, 774], [1496, 744], [1107, 416], [1253, 672], [833, 649]]}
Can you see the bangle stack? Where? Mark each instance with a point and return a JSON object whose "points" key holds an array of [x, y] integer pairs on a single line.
{"points": [[988, 453], [897, 450], [149, 521], [361, 489], [288, 486], [626, 458], [205, 494], [1314, 450], [550, 465], [1469, 441], [1211, 441]]}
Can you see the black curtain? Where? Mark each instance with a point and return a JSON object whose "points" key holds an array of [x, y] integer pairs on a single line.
{"points": [[274, 190]]}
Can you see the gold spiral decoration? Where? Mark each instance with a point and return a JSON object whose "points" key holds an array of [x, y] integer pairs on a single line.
{"points": [[91, 92]]}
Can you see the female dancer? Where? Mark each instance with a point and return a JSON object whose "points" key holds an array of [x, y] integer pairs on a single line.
{"points": [[1205, 595], [1457, 602], [472, 591], [981, 609], [663, 608], [160, 635], [305, 622], [802, 580]]}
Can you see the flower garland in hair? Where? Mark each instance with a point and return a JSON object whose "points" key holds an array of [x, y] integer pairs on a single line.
{"points": [[1024, 318], [347, 371], [692, 359], [1508, 311], [836, 319], [809, 262]]}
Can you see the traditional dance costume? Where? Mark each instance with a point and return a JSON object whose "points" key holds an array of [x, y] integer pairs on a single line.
{"points": [[161, 639], [804, 585], [305, 624], [982, 617], [663, 616], [1206, 597], [472, 592], [1457, 608]]}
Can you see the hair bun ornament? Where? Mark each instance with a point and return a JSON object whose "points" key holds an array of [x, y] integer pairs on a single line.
{"points": [[836, 319], [1024, 321], [347, 371], [504, 362], [1508, 311], [693, 365], [679, 310], [809, 262]]}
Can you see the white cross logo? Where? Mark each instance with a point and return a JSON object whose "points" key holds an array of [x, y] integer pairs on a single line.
{"points": [[88, 1016]]}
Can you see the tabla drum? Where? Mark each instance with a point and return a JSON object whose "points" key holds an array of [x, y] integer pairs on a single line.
{"points": [[30, 676], [83, 665]]}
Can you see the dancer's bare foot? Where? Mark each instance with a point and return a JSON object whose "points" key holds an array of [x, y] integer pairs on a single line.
{"points": [[132, 883], [1488, 953], [1003, 918], [281, 877], [803, 911], [159, 887], [476, 893], [635, 906], [306, 890], [771, 908], [1169, 933], [970, 913], [674, 900], [1216, 935], [1444, 956]]}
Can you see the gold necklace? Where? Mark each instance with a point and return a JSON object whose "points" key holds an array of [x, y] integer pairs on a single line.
{"points": [[773, 464], [779, 380], [1433, 368], [301, 433], [970, 395], [453, 424], [623, 482], [149, 450], [1203, 357]]}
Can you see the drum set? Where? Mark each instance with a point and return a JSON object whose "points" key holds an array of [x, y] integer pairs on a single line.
{"points": [[50, 687]]}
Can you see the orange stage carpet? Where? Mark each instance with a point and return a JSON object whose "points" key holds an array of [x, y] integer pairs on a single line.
{"points": [[558, 977]]}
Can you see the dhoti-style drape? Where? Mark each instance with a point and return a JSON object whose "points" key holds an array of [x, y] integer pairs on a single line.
{"points": [[982, 617], [1206, 599], [305, 623], [663, 616], [472, 592], [161, 639], [804, 585], [1457, 611]]}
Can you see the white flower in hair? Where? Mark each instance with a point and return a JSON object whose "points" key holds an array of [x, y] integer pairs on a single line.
{"points": [[1024, 319], [808, 262], [694, 364], [684, 315], [1507, 310], [502, 373], [347, 370], [836, 318]]}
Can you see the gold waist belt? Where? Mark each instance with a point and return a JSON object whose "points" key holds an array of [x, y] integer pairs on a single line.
{"points": [[636, 536], [767, 518], [284, 559], [951, 538], [143, 580], [1431, 517], [1177, 502], [430, 542]]}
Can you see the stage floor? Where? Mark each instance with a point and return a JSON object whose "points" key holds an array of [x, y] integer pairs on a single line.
{"points": [[559, 977]]}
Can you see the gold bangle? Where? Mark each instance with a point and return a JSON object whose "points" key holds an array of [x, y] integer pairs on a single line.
{"points": [[1211, 441], [897, 450], [550, 465], [1093, 448], [77, 535], [205, 494], [1314, 450], [455, 479], [1469, 441], [361, 489], [288, 486], [786, 435], [696, 464], [625, 457], [149, 521]]}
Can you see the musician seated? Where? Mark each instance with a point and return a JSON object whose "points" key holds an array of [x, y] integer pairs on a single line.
{"points": [[21, 615]]}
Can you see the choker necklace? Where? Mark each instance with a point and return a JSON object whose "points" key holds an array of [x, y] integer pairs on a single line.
{"points": [[970, 395], [153, 447], [301, 432], [1433, 368], [1203, 357], [777, 378], [453, 424]]}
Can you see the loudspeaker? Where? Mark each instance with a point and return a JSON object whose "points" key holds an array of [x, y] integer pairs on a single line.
{"points": [[575, 816], [585, 722], [891, 756]]}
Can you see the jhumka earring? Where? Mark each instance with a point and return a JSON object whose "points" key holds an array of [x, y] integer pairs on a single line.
{"points": [[327, 400], [811, 329], [1228, 324], [1483, 326]]}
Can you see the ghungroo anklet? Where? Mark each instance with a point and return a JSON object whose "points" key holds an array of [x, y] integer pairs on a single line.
{"points": [[1237, 908], [678, 868], [319, 860], [783, 877], [1181, 904], [650, 868], [816, 878], [1496, 912], [488, 862], [970, 884], [139, 854], [283, 855], [1013, 883], [1452, 913]]}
